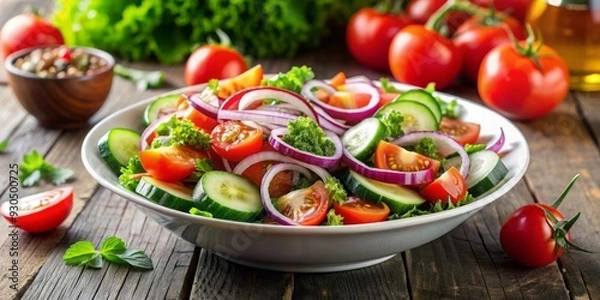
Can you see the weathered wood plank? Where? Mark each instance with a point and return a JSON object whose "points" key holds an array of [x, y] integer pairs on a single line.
{"points": [[108, 214]]}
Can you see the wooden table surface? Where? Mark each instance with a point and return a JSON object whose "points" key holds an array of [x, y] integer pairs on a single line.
{"points": [[467, 263]]}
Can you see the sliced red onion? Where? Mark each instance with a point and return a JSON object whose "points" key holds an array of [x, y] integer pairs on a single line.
{"points": [[304, 156], [329, 123], [226, 165], [497, 146], [260, 117], [359, 78], [143, 144], [248, 97], [446, 145], [385, 175], [353, 115], [276, 156], [206, 102], [281, 107], [266, 197]]}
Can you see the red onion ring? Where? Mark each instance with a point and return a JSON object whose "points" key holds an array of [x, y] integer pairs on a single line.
{"points": [[389, 176], [260, 117], [304, 156], [276, 156], [329, 123], [498, 144], [205, 102], [266, 197], [143, 144], [359, 78], [445, 143], [352, 116]]}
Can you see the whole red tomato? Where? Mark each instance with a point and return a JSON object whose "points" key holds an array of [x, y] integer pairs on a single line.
{"points": [[421, 10], [480, 34], [523, 82], [369, 34], [213, 62], [533, 235], [27, 30], [419, 56], [517, 8]]}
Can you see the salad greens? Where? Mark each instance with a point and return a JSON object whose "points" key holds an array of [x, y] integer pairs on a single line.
{"points": [[305, 134], [113, 249], [170, 30], [292, 80], [127, 177], [337, 193], [334, 219], [391, 119], [143, 79], [34, 168], [180, 132]]}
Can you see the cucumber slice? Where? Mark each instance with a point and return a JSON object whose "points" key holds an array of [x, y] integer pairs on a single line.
{"points": [[117, 146], [417, 117], [361, 139], [169, 194], [425, 98], [486, 171], [160, 106], [228, 196], [398, 198]]}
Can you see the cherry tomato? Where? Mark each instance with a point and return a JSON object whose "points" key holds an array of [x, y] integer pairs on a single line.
{"points": [[478, 35], [517, 8], [250, 78], [281, 183], [28, 30], [393, 157], [449, 185], [307, 206], [512, 82], [171, 163], [421, 10], [338, 80], [462, 131], [201, 120], [369, 34], [358, 211], [234, 140], [39, 212], [419, 56], [527, 237], [213, 62]]}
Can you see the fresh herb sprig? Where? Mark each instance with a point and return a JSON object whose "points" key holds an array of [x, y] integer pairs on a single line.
{"points": [[113, 249], [34, 168]]}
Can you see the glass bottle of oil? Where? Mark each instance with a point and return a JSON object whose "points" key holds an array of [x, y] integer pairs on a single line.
{"points": [[572, 28]]}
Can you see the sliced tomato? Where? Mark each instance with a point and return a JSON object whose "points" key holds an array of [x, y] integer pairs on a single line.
{"points": [[252, 77], [40, 212], [234, 140], [463, 132], [451, 185], [393, 157], [385, 98], [201, 120], [338, 80], [307, 206], [358, 211], [281, 183], [171, 163], [348, 100]]}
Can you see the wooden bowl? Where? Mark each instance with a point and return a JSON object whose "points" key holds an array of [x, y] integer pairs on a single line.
{"points": [[61, 102]]}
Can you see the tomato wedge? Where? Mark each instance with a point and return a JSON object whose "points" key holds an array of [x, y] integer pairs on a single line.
{"points": [[358, 211], [462, 131], [234, 140], [450, 185], [338, 80], [307, 206], [171, 163], [281, 183], [40, 212], [393, 157], [348, 100], [250, 78], [201, 120]]}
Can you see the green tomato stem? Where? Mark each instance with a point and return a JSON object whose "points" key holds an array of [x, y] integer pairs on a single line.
{"points": [[565, 192], [436, 23], [391, 6]]}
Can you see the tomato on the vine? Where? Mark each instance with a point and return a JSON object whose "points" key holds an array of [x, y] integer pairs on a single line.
{"points": [[234, 140], [480, 34], [419, 56], [28, 30], [40, 212], [523, 81], [369, 34], [421, 11], [358, 211], [517, 8], [537, 234]]}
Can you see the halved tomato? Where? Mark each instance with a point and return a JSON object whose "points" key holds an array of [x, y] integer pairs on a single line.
{"points": [[450, 185], [234, 140], [40, 212], [281, 183], [307, 206], [252, 77], [171, 163], [393, 157], [358, 211], [338, 80], [385, 98], [463, 132]]}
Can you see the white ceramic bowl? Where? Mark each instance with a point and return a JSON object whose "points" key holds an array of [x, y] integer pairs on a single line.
{"points": [[311, 249]]}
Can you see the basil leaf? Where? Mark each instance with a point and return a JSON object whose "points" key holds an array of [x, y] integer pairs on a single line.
{"points": [[80, 253], [137, 259], [95, 262]]}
